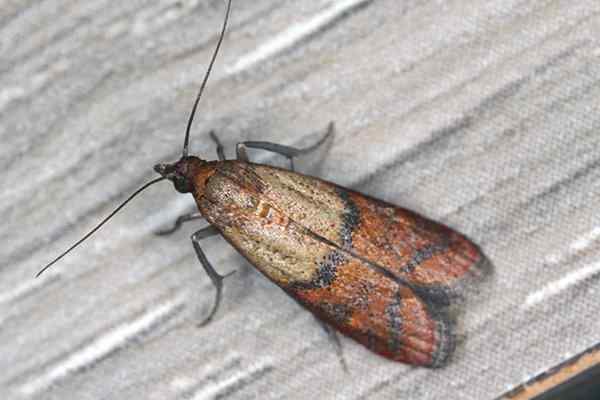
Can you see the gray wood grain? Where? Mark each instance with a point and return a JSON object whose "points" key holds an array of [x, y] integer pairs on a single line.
{"points": [[480, 114]]}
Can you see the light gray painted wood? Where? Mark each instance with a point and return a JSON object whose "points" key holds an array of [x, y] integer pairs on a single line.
{"points": [[480, 114]]}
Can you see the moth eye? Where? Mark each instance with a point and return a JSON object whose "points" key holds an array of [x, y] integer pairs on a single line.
{"points": [[182, 184]]}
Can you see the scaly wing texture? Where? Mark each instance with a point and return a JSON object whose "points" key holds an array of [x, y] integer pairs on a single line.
{"points": [[359, 297], [436, 261], [485, 112], [381, 313]]}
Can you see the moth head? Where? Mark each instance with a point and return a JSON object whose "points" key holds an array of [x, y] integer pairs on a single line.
{"points": [[182, 173]]}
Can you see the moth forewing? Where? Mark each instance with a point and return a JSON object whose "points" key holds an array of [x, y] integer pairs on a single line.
{"points": [[377, 273]]}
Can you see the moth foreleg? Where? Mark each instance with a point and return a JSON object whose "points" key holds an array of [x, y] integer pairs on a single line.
{"points": [[180, 220], [286, 151], [214, 276]]}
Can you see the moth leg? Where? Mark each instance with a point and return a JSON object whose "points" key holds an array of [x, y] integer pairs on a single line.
{"points": [[220, 151], [286, 151], [335, 339], [178, 222], [214, 276]]}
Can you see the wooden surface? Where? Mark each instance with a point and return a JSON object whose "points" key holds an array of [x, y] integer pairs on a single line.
{"points": [[480, 114]]}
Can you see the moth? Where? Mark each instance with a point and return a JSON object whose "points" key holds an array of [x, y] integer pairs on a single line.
{"points": [[378, 273]]}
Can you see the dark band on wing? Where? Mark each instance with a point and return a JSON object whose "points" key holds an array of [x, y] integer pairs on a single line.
{"points": [[446, 341], [326, 272], [393, 311], [424, 254], [351, 218]]}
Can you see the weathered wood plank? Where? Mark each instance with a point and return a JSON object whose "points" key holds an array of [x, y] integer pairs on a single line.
{"points": [[480, 114]]}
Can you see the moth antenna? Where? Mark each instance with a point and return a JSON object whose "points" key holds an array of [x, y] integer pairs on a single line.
{"points": [[186, 141], [90, 233]]}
